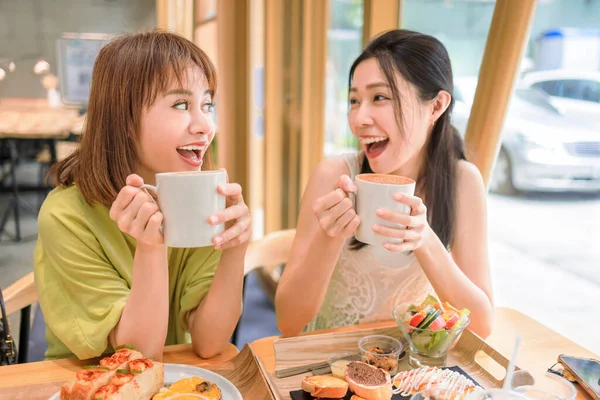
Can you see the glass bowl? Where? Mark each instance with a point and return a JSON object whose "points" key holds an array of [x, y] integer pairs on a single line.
{"points": [[427, 347], [381, 351], [338, 362], [549, 387]]}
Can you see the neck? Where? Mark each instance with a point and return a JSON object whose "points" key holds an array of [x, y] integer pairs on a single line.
{"points": [[148, 176], [413, 167]]}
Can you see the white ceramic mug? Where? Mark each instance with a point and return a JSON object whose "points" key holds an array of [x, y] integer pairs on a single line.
{"points": [[375, 191], [186, 200]]}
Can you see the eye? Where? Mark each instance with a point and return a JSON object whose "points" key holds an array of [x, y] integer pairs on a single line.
{"points": [[208, 107], [182, 105], [380, 97], [353, 102]]}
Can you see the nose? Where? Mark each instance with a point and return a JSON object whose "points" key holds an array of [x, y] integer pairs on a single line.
{"points": [[362, 115], [201, 123]]}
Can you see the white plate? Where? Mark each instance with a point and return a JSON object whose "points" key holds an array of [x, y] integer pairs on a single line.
{"points": [[175, 372]]}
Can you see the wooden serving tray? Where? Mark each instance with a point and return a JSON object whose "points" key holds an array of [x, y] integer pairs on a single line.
{"points": [[243, 371], [471, 353]]}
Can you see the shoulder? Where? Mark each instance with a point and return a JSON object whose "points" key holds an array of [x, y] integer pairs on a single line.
{"points": [[469, 179], [329, 170], [66, 206], [471, 193], [63, 201], [332, 168]]}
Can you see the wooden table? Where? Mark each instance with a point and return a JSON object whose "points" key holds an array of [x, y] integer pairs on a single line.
{"points": [[539, 350], [40, 380], [65, 369], [32, 119]]}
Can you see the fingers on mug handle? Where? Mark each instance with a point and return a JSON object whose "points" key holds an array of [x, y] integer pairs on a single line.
{"points": [[146, 187], [346, 184], [134, 180]]}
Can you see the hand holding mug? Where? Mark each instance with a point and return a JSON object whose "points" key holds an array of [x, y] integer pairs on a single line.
{"points": [[236, 217], [417, 228], [136, 213], [335, 211]]}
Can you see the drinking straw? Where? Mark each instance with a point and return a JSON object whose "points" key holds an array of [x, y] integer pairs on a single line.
{"points": [[511, 365]]}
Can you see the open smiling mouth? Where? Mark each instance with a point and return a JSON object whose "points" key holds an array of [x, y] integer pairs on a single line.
{"points": [[191, 154], [375, 145]]}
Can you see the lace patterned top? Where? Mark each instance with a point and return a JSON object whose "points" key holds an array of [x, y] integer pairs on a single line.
{"points": [[368, 283]]}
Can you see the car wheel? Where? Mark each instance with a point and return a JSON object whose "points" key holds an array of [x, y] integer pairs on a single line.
{"points": [[502, 182]]}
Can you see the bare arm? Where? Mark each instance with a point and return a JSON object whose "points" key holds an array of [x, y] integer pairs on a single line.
{"points": [[325, 221], [463, 277], [147, 308], [214, 320]]}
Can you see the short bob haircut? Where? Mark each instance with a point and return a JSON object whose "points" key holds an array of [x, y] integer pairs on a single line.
{"points": [[130, 72]]}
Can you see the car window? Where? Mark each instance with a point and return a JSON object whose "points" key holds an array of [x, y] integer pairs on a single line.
{"points": [[550, 87], [537, 98], [579, 89], [590, 91], [572, 89]]}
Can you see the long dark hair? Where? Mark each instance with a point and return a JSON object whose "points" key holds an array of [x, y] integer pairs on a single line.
{"points": [[423, 61]]}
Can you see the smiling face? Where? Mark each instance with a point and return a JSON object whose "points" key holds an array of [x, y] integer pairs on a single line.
{"points": [[176, 131], [390, 148]]}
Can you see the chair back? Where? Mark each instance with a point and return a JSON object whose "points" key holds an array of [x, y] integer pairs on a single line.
{"points": [[271, 250]]}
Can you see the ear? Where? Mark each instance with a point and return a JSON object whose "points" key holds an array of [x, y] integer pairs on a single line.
{"points": [[439, 105]]}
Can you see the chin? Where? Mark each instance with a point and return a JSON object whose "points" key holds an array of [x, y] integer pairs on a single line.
{"points": [[383, 166]]}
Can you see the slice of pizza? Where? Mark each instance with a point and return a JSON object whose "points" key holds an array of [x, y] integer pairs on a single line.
{"points": [[140, 381], [88, 380]]}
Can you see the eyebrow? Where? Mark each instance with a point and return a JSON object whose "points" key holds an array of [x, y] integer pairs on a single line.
{"points": [[187, 92], [372, 86]]}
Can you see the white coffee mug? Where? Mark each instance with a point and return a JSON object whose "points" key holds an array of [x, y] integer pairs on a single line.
{"points": [[187, 200], [374, 192]]}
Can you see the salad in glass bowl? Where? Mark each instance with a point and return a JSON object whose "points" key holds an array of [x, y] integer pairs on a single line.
{"points": [[430, 329]]}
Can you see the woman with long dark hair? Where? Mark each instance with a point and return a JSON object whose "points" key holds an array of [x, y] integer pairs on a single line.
{"points": [[400, 109]]}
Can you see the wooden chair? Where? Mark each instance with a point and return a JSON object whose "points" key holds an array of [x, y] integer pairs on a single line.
{"points": [[267, 253], [19, 297]]}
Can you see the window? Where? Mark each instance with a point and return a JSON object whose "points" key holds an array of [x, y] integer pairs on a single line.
{"points": [[571, 89], [591, 91], [550, 87], [344, 44]]}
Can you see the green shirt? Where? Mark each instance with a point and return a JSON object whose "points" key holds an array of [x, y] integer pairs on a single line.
{"points": [[83, 265]]}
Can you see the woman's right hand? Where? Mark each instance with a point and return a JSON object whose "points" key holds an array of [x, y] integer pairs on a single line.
{"points": [[136, 213], [334, 210]]}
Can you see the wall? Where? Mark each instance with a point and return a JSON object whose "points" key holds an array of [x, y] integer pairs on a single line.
{"points": [[29, 29]]}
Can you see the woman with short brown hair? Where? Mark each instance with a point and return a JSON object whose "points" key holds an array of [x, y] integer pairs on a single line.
{"points": [[103, 272]]}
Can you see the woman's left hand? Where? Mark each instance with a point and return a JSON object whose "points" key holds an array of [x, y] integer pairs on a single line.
{"points": [[417, 231], [236, 217]]}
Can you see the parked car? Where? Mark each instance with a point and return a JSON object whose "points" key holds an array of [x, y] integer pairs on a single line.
{"points": [[574, 93], [541, 148]]}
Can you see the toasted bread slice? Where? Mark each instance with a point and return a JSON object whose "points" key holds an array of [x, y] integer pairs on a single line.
{"points": [[140, 382], [368, 381], [325, 387], [87, 381], [120, 359]]}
